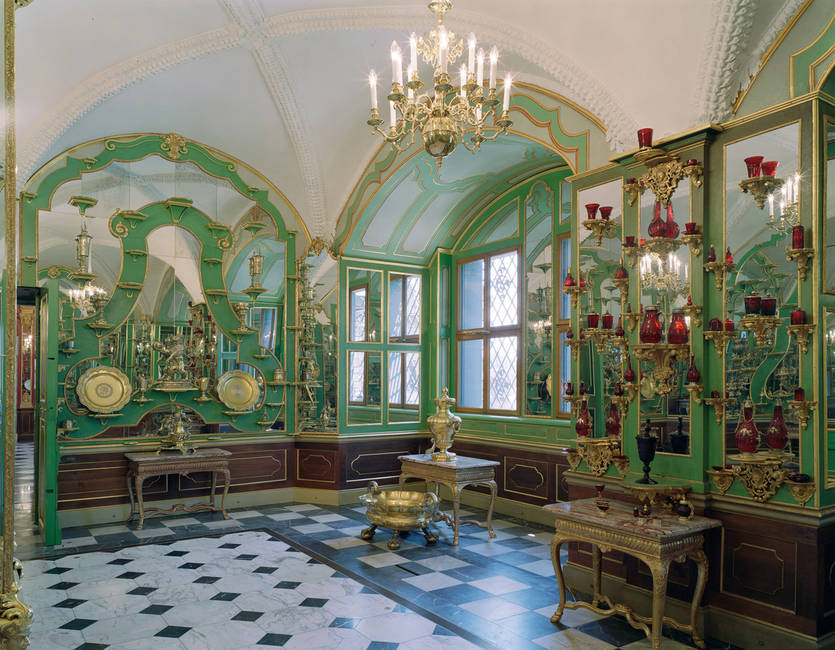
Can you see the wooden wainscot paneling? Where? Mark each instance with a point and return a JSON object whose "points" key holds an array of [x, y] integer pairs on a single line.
{"points": [[317, 467], [528, 479], [253, 467], [90, 480], [375, 460]]}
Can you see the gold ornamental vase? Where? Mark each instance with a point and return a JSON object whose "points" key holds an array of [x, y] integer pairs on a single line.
{"points": [[443, 425]]}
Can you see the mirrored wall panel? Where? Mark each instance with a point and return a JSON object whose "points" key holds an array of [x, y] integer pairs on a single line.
{"points": [[364, 384], [365, 305]]}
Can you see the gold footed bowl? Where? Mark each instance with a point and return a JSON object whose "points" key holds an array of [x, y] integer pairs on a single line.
{"points": [[400, 511]]}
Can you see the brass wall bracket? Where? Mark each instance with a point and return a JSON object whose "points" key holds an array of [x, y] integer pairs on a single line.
{"points": [[801, 256], [622, 402], [762, 326], [662, 246], [633, 191], [760, 187], [600, 227], [693, 312], [802, 409], [761, 476], [720, 339], [574, 401], [663, 357], [664, 172], [719, 404], [632, 254], [719, 269], [694, 242], [632, 319], [599, 336], [598, 453], [575, 291], [695, 390], [801, 333], [801, 491], [622, 285], [721, 478]]}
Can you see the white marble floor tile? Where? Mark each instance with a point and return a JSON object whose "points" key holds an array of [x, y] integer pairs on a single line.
{"points": [[574, 640], [442, 562], [432, 581], [155, 643], [197, 614], [360, 605], [540, 567], [245, 514], [383, 559], [395, 627], [489, 548], [145, 533], [222, 523], [570, 617], [344, 542], [101, 608], [56, 640], [301, 507], [328, 518], [332, 638], [494, 608], [183, 521], [498, 585], [123, 628], [295, 620], [284, 516], [646, 644], [438, 642], [101, 589], [330, 588], [221, 636], [312, 528]]}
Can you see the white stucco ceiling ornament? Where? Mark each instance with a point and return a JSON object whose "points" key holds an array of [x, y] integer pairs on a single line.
{"points": [[726, 41]]}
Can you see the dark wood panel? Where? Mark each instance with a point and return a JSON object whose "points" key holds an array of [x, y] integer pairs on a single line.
{"points": [[26, 425], [528, 477], [316, 467], [375, 460]]}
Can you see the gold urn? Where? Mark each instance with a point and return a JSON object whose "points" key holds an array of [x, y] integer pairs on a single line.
{"points": [[443, 426]]}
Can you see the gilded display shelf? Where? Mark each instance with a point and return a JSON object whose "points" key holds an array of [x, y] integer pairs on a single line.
{"points": [[722, 479], [694, 242], [82, 203], [621, 463], [801, 332], [720, 339], [601, 228], [763, 327], [633, 189], [632, 319], [759, 187], [575, 401], [662, 246], [695, 391], [801, 256], [761, 475], [802, 409], [633, 253], [801, 491], [693, 312], [597, 452], [719, 268], [663, 356], [599, 336], [665, 171], [575, 291], [719, 404], [623, 286], [622, 402]]}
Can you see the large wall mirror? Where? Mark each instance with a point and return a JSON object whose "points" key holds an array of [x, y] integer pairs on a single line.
{"points": [[829, 204], [365, 305], [761, 292], [602, 303], [365, 375], [664, 276]]}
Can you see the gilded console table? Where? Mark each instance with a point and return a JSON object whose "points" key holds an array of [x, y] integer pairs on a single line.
{"points": [[145, 465], [657, 541], [456, 474]]}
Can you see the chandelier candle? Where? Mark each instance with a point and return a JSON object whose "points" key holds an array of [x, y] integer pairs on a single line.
{"points": [[494, 59]]}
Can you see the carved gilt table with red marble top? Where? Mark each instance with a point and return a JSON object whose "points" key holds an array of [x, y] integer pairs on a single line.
{"points": [[657, 541], [143, 465]]}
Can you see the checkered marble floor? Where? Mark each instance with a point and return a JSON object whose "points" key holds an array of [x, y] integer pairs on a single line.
{"points": [[484, 593]]}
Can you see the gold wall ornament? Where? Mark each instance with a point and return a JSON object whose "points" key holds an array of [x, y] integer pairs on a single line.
{"points": [[174, 145], [759, 187], [801, 491], [103, 389], [801, 332], [663, 357], [598, 452], [763, 327], [238, 390], [693, 312], [802, 409], [721, 478], [801, 256], [15, 619], [443, 425], [694, 242], [176, 433], [720, 339], [761, 476], [719, 405], [633, 190], [600, 227], [664, 172], [719, 269]]}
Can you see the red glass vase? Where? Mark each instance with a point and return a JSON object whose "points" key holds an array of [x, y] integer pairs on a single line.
{"points": [[613, 421], [592, 320], [769, 306], [677, 333], [798, 317], [644, 138], [605, 212], [711, 254], [769, 167], [672, 229], [747, 435], [621, 272], [798, 237], [777, 434], [693, 374], [583, 424], [628, 374], [651, 329], [753, 304], [591, 209], [607, 321], [657, 228], [754, 164], [569, 280]]}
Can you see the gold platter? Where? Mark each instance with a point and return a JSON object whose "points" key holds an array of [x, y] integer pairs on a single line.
{"points": [[238, 390], [103, 389]]}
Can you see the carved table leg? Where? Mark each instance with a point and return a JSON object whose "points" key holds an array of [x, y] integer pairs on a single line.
{"points": [[130, 494], [700, 558], [214, 487], [456, 501], [493, 492], [138, 480], [228, 479], [597, 570], [556, 542], [660, 570]]}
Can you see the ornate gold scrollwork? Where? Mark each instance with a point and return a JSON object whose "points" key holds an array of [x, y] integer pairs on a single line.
{"points": [[174, 146], [762, 477]]}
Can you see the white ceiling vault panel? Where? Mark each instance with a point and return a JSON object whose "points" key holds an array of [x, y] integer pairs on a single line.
{"points": [[281, 84]]}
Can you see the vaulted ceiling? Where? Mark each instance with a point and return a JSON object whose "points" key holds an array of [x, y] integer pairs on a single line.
{"points": [[281, 84]]}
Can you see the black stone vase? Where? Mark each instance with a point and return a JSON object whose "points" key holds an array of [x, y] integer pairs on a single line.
{"points": [[646, 453]]}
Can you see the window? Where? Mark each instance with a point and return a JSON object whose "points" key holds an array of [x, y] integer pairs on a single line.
{"points": [[359, 322], [404, 308], [404, 379], [489, 333]]}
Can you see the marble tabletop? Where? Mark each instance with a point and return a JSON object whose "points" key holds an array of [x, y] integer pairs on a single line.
{"points": [[147, 456], [662, 525], [459, 462]]}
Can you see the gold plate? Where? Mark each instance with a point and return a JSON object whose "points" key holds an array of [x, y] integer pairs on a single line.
{"points": [[103, 389], [238, 390]]}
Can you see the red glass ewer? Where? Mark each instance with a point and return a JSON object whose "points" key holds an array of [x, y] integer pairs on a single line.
{"points": [[693, 374], [628, 374], [613, 421], [677, 333], [651, 329], [583, 424], [672, 229]]}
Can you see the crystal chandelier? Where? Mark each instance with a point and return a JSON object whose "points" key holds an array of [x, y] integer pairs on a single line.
{"points": [[789, 210], [444, 114], [86, 298], [662, 274]]}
